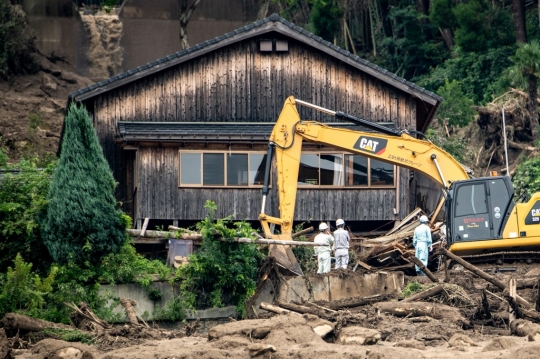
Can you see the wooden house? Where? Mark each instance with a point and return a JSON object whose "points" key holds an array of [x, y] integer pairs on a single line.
{"points": [[194, 126]]}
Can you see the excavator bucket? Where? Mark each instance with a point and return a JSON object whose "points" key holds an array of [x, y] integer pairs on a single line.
{"points": [[286, 260]]}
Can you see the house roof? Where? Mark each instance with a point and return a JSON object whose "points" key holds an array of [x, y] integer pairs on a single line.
{"points": [[273, 23], [206, 131]]}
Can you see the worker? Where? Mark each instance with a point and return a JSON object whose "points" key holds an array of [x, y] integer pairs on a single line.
{"points": [[341, 245], [421, 242], [324, 253]]}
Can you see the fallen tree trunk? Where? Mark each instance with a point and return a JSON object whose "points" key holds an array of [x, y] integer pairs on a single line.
{"points": [[423, 268], [425, 294], [522, 327], [357, 302], [480, 273], [16, 322], [420, 309], [129, 305], [276, 309]]}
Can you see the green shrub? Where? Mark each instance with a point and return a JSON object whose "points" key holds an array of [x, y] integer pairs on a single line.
{"points": [[16, 41], [220, 273], [81, 222], [22, 198], [23, 291], [412, 288], [527, 178]]}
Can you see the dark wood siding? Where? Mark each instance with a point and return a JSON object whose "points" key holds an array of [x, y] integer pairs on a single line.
{"points": [[159, 196], [240, 84]]}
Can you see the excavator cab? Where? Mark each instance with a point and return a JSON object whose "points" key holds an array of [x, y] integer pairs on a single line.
{"points": [[478, 209]]}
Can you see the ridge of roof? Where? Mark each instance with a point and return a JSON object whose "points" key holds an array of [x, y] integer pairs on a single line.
{"points": [[274, 18]]}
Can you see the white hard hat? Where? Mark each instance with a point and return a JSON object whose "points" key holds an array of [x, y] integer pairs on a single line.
{"points": [[340, 222], [323, 226], [424, 219]]}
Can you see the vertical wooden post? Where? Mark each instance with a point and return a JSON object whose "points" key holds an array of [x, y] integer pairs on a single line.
{"points": [[446, 278], [145, 224], [512, 294]]}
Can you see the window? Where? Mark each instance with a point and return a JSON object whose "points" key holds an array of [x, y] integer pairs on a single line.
{"points": [[344, 170], [471, 200], [218, 169], [246, 169]]}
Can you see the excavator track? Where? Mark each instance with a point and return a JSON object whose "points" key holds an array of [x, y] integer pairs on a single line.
{"points": [[504, 257]]}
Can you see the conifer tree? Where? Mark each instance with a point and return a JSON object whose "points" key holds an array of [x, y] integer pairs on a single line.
{"points": [[81, 223]]}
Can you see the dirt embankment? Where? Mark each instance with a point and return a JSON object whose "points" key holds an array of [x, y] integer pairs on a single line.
{"points": [[32, 108]]}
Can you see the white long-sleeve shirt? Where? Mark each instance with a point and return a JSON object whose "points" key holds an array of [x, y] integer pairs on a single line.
{"points": [[326, 239], [341, 238]]}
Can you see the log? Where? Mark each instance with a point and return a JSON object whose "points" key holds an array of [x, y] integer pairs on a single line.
{"points": [[302, 232], [276, 309], [523, 327], [423, 268], [129, 305], [198, 237], [485, 305], [425, 294], [297, 308], [420, 309], [480, 273], [357, 302], [19, 322]]}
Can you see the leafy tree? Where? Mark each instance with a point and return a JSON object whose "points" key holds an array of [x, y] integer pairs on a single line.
{"points": [[527, 178], [527, 67], [16, 41], [23, 192], [325, 18], [456, 108], [81, 223]]}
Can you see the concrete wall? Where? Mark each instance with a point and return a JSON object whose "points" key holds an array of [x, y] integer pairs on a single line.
{"points": [[150, 28]]}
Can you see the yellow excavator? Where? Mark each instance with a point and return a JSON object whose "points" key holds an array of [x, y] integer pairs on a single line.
{"points": [[483, 221]]}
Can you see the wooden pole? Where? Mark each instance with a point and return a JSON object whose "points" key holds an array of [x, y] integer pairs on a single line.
{"points": [[198, 237], [302, 232], [276, 309], [423, 268], [480, 273]]}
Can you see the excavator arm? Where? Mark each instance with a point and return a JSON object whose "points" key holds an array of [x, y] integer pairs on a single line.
{"points": [[387, 145]]}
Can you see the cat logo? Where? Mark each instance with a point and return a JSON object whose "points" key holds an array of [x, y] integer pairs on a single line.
{"points": [[533, 217], [371, 145]]}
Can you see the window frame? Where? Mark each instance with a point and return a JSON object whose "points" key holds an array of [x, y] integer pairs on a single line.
{"points": [[299, 186], [224, 153], [344, 185]]}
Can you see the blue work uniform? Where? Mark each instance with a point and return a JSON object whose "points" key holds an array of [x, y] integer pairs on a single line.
{"points": [[422, 242]]}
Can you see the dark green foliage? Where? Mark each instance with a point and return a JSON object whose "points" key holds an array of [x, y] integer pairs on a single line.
{"points": [[456, 108], [81, 222], [16, 41], [482, 26], [441, 14], [325, 18], [22, 198], [220, 273], [527, 178], [455, 145], [410, 52], [478, 73]]}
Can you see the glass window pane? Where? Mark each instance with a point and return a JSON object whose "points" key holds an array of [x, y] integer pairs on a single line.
{"points": [[471, 199], [190, 168], [356, 170], [237, 169], [331, 170], [213, 169], [382, 174], [309, 170], [257, 163]]}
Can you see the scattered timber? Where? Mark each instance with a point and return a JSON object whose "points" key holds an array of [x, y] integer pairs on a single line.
{"points": [[425, 294], [357, 302], [420, 309], [480, 273]]}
